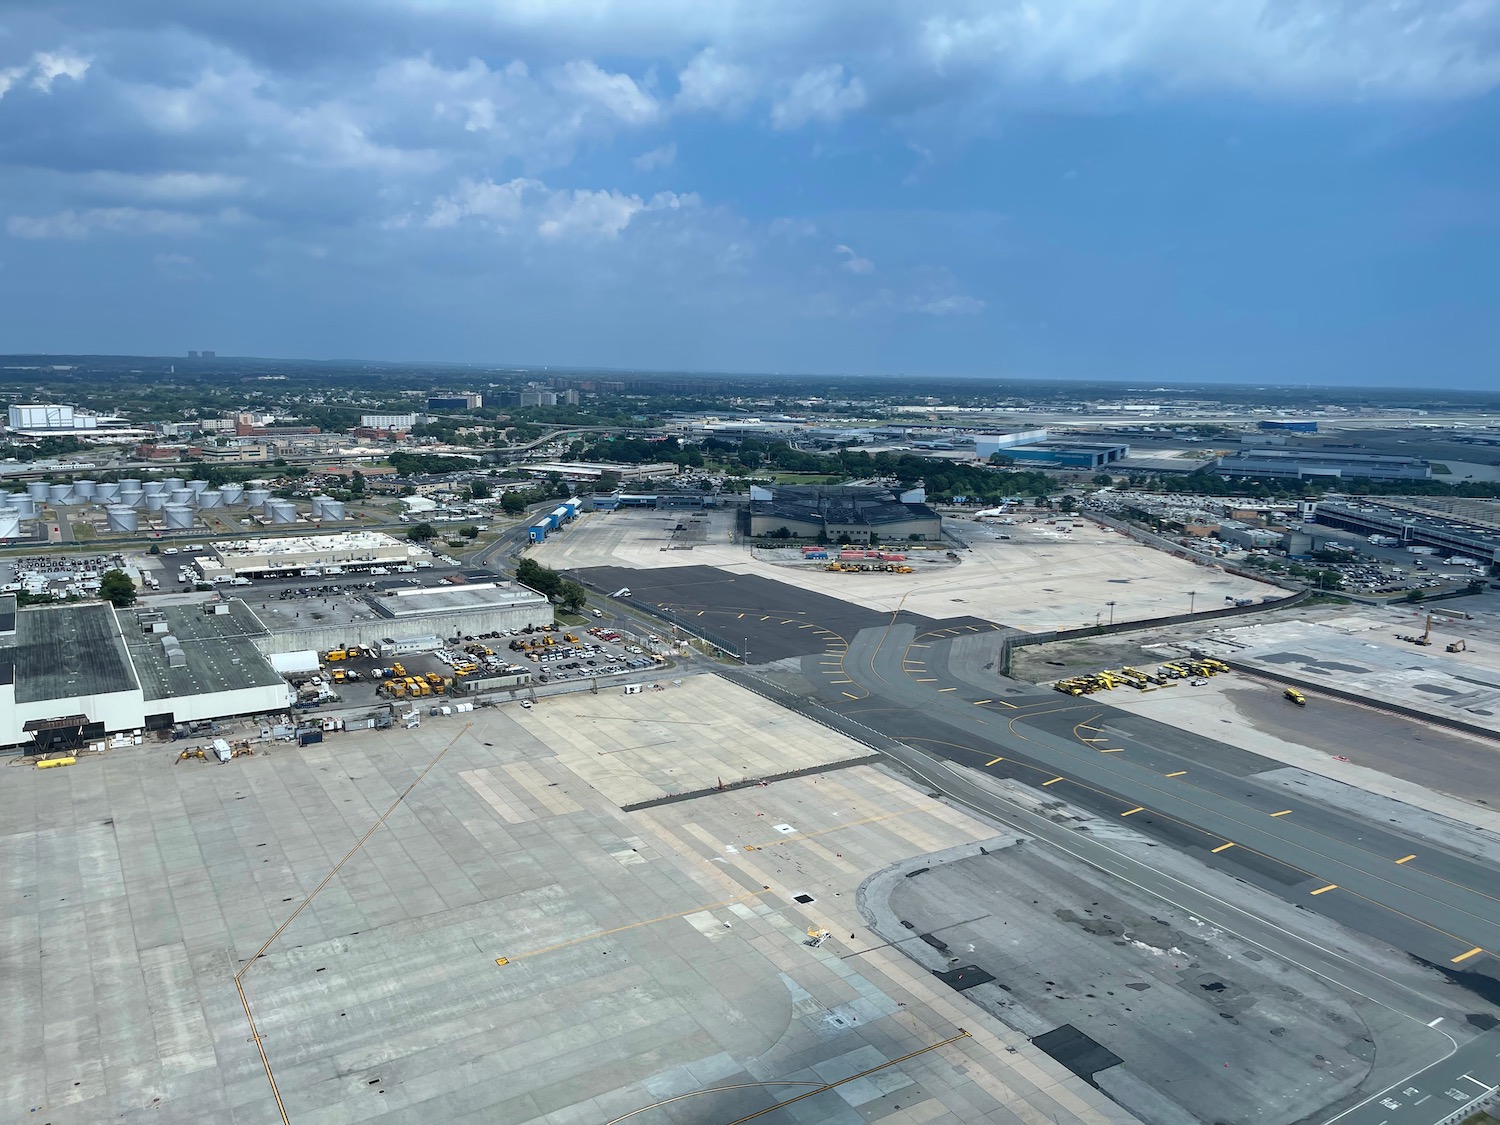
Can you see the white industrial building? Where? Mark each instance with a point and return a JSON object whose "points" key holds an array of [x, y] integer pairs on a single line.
{"points": [[291, 555], [75, 674], [987, 445], [39, 419], [391, 421]]}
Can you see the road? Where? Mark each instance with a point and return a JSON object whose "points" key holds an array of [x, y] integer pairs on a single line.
{"points": [[1431, 1095]]}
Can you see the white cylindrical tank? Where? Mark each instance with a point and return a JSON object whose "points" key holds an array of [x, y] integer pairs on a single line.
{"points": [[24, 506], [84, 489], [210, 498], [121, 518], [256, 497], [154, 488], [233, 493], [59, 493], [105, 491], [197, 486], [37, 490], [155, 501], [282, 511], [173, 482], [177, 516], [10, 524], [130, 484], [180, 496], [317, 506], [332, 509]]}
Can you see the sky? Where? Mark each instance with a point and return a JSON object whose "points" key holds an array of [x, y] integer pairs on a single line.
{"points": [[1298, 191]]}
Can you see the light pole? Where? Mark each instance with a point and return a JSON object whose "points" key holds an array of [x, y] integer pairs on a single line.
{"points": [[1192, 599], [1111, 612]]}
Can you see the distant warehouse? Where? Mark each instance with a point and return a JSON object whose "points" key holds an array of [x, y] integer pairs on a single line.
{"points": [[1300, 465], [1068, 454], [1293, 425], [853, 514]]}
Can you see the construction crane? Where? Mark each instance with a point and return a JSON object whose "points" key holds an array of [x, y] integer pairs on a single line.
{"points": [[1424, 639]]}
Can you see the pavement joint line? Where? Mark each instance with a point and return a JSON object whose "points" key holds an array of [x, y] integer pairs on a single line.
{"points": [[1407, 858], [1462, 957], [1132, 812], [1223, 847], [1325, 890], [1283, 812], [632, 926], [993, 761]]}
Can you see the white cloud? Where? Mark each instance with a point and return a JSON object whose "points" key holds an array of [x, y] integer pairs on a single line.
{"points": [[712, 83], [852, 262], [9, 76], [525, 205], [50, 66], [663, 157], [616, 93], [70, 224], [173, 186], [954, 305], [820, 94]]}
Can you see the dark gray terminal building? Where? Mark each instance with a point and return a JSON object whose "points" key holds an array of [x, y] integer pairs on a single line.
{"points": [[847, 513]]}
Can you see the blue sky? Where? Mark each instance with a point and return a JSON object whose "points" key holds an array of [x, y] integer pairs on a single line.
{"points": [[1189, 190]]}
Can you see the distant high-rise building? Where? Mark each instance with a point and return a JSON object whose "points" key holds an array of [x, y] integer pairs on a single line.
{"points": [[192, 355], [210, 355], [538, 398], [455, 400], [570, 398]]}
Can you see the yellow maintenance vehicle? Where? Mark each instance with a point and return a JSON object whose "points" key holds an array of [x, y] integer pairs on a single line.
{"points": [[1295, 696], [337, 654], [434, 679], [399, 670]]}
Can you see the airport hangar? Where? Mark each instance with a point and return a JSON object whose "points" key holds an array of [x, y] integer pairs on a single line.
{"points": [[73, 675]]}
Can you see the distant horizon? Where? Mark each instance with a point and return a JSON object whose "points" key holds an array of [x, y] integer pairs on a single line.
{"points": [[1134, 383]]}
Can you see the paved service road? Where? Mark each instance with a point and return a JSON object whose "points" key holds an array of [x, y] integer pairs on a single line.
{"points": [[1437, 1092]]}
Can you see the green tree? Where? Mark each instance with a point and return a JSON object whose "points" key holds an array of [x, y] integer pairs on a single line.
{"points": [[571, 596], [357, 485], [512, 503], [117, 588], [609, 480], [421, 533], [1103, 480], [469, 532], [153, 550], [479, 490]]}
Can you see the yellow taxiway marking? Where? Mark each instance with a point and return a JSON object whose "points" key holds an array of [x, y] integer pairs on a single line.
{"points": [[1475, 952], [1407, 858], [789, 621], [982, 702], [1054, 781], [841, 681], [1114, 750], [1325, 890], [1179, 773], [943, 689], [918, 646], [1132, 812], [846, 695], [1096, 740], [1085, 726], [621, 929], [739, 617], [1283, 812], [992, 761], [806, 626], [765, 619], [1223, 847], [928, 680], [1002, 703]]}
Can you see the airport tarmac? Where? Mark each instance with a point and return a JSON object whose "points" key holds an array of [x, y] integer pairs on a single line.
{"points": [[453, 924], [1040, 578]]}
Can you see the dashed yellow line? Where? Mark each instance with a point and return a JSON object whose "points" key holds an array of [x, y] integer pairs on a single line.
{"points": [[739, 617], [841, 681], [1223, 847], [1085, 726], [993, 761], [928, 680], [1095, 740], [1179, 773], [1462, 957], [1114, 750], [1283, 812], [1054, 781], [982, 702], [846, 695], [943, 689], [1325, 890], [1132, 812], [1407, 858]]}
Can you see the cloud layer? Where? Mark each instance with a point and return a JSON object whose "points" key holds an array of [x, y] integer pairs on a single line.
{"points": [[479, 138]]}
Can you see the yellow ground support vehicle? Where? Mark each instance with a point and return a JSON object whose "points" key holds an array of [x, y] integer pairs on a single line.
{"points": [[434, 679], [399, 670], [1295, 696], [337, 654]]}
